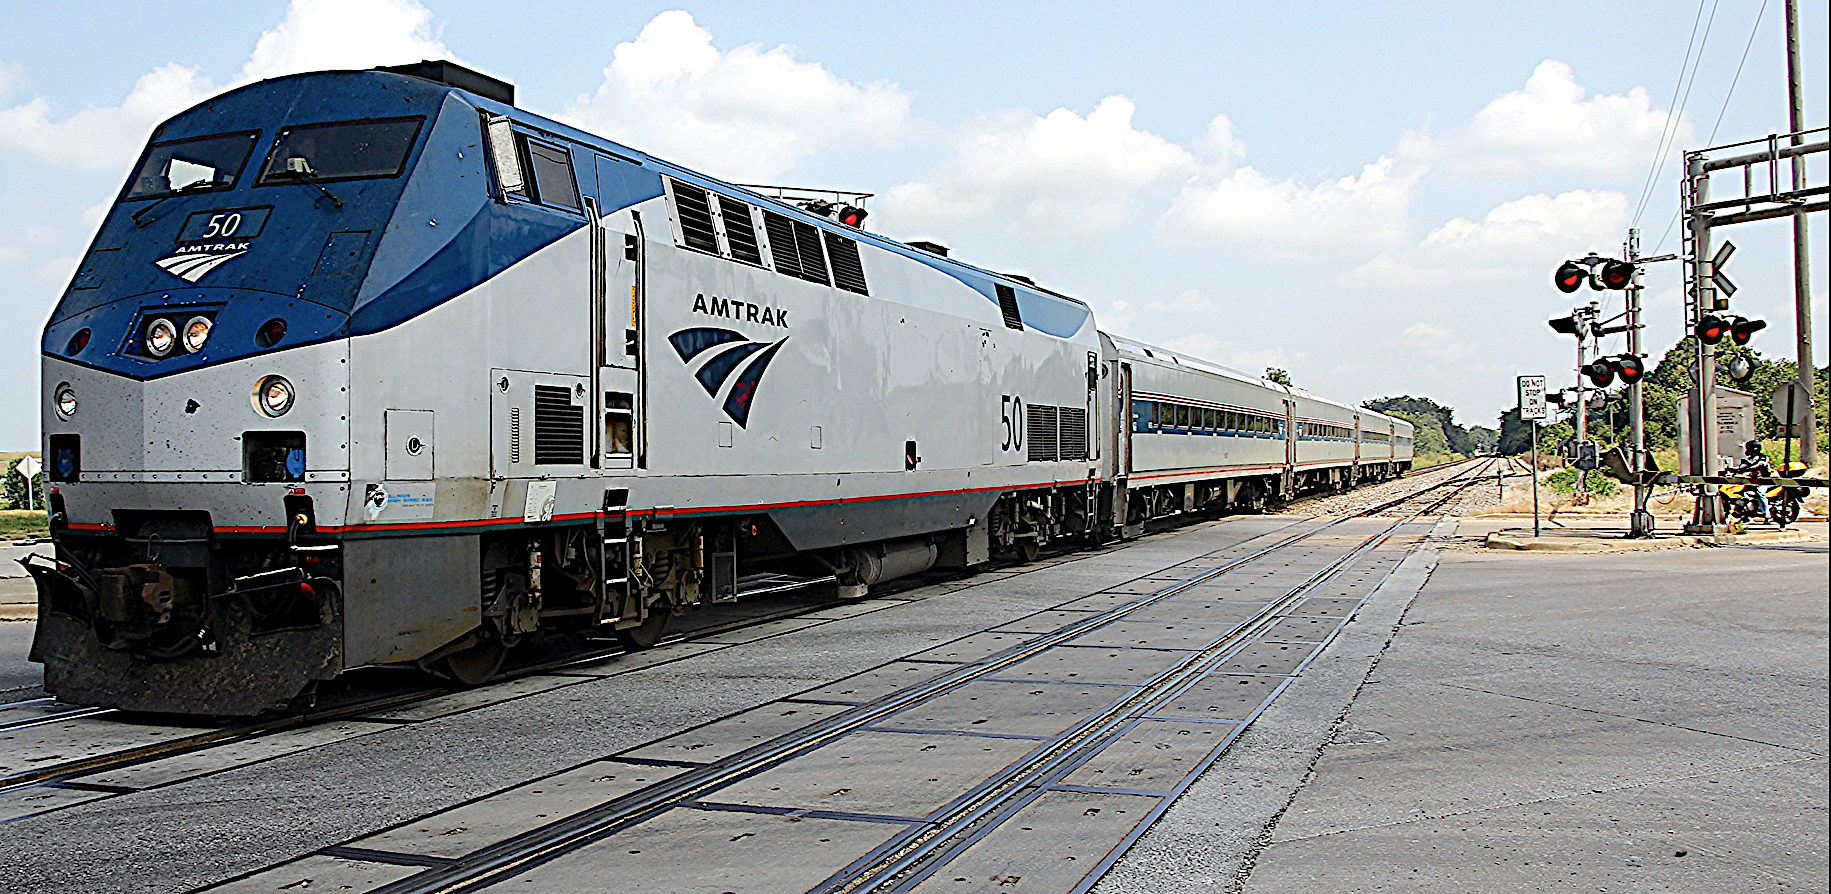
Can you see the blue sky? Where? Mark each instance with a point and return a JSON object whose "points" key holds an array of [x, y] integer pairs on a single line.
{"points": [[1372, 196]]}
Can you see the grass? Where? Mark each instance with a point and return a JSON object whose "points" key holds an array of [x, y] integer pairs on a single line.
{"points": [[20, 523], [1426, 460]]}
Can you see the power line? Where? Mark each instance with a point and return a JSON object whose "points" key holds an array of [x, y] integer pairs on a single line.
{"points": [[1659, 151], [1731, 92], [1738, 76]]}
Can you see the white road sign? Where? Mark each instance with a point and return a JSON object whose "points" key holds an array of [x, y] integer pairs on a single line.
{"points": [[1532, 397], [27, 467], [1800, 402]]}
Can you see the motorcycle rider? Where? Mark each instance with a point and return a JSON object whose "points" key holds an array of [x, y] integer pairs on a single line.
{"points": [[1755, 465]]}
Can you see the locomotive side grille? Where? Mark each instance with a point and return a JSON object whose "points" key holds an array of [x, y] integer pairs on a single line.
{"points": [[1039, 431], [514, 434], [695, 217], [1007, 305], [740, 232], [1073, 430], [559, 427], [781, 232], [848, 270], [813, 261]]}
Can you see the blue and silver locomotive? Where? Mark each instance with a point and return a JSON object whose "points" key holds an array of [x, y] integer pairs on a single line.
{"points": [[372, 367]]}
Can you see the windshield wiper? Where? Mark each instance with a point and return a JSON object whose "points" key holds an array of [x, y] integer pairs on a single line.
{"points": [[310, 178], [188, 187]]}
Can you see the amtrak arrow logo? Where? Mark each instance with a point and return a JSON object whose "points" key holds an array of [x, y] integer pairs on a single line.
{"points": [[190, 266], [728, 350]]}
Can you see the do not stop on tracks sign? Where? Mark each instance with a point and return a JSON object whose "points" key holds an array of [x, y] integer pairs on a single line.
{"points": [[1531, 397]]}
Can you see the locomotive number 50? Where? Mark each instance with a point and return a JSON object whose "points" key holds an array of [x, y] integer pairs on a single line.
{"points": [[1014, 423]]}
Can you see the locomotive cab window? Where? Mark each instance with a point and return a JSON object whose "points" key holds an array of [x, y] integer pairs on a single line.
{"points": [[345, 150], [552, 169], [201, 165]]}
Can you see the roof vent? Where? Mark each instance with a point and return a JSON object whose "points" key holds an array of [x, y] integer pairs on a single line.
{"points": [[1021, 278], [452, 74], [933, 248]]}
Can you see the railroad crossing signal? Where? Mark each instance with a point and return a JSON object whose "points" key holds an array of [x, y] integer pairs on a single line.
{"points": [[1600, 273], [1712, 327], [1617, 274], [1744, 329], [1604, 370], [1570, 277]]}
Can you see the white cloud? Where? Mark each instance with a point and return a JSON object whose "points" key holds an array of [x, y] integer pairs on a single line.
{"points": [[1514, 239], [1368, 209], [101, 138], [745, 114], [11, 77], [1554, 123], [1059, 171], [315, 34], [1234, 355], [318, 35]]}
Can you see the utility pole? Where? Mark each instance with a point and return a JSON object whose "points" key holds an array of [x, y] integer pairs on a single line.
{"points": [[1640, 522], [1802, 274], [1708, 517]]}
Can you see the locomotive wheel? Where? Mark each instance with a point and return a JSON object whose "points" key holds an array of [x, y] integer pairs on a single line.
{"points": [[646, 634], [1028, 549], [476, 665]]}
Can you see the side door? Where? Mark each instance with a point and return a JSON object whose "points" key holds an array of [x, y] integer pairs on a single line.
{"points": [[617, 290]]}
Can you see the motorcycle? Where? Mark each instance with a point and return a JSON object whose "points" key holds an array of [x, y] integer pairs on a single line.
{"points": [[1783, 501]]}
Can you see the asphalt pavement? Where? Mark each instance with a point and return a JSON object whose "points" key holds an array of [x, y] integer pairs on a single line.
{"points": [[1632, 722], [1526, 722]]}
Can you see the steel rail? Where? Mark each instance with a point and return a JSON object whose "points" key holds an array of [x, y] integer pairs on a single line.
{"points": [[505, 859], [1462, 477], [934, 845], [259, 728]]}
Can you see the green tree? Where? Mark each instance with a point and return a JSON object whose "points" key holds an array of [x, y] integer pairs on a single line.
{"points": [[1428, 438], [1422, 407], [1275, 374], [1483, 439], [14, 496]]}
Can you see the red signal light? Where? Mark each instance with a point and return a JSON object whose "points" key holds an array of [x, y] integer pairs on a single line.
{"points": [[1617, 274], [1711, 329], [1743, 330], [1628, 367], [1570, 276], [78, 342], [852, 216], [1600, 373]]}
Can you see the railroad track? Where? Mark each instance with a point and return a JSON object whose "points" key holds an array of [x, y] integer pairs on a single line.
{"points": [[915, 853], [1467, 474], [338, 710], [354, 708]]}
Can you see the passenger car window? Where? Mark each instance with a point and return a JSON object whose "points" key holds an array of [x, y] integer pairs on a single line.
{"points": [[347, 150], [199, 165]]}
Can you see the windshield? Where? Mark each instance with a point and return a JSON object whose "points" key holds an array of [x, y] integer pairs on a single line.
{"points": [[348, 150], [199, 165]]}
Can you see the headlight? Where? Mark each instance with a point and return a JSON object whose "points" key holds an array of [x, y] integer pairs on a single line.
{"points": [[66, 400], [196, 332], [160, 337], [273, 396]]}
